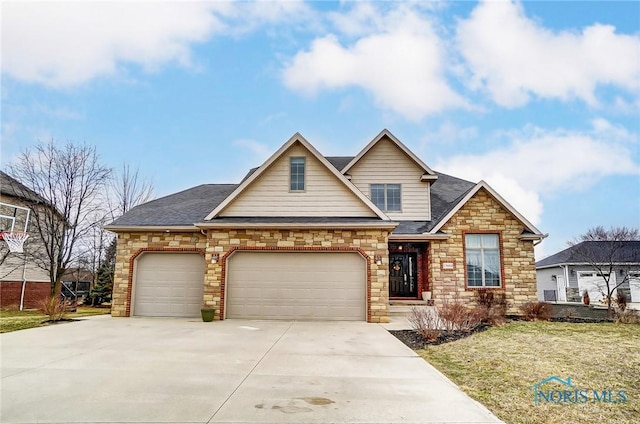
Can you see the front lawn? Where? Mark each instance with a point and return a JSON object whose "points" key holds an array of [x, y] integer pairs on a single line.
{"points": [[12, 320], [499, 367]]}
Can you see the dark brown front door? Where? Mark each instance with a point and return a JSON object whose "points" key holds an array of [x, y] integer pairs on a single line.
{"points": [[403, 275]]}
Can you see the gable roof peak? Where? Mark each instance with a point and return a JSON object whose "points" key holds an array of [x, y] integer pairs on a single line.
{"points": [[535, 234], [429, 174], [297, 137]]}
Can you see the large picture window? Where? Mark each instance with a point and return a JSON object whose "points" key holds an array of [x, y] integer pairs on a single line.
{"points": [[387, 197], [296, 174], [483, 260]]}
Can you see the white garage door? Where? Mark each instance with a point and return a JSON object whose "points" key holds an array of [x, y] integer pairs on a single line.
{"points": [[168, 285], [296, 285], [634, 286], [594, 283]]}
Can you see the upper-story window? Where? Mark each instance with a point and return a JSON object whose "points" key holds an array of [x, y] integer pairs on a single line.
{"points": [[296, 173], [387, 197], [483, 260]]}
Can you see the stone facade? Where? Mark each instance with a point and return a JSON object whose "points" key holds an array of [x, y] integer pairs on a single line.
{"points": [[483, 214], [369, 243], [131, 245]]}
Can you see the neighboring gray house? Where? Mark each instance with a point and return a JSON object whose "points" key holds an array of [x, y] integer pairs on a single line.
{"points": [[565, 276], [22, 282]]}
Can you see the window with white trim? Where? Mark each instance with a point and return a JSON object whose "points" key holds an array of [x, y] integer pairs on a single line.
{"points": [[296, 173], [387, 197], [483, 260]]}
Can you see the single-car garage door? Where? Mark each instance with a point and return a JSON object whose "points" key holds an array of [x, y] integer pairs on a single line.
{"points": [[168, 285], [296, 285]]}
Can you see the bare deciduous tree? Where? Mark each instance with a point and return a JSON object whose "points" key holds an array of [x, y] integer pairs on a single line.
{"points": [[72, 182], [605, 251], [129, 190]]}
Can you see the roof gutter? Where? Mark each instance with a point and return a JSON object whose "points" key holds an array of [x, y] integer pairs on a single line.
{"points": [[418, 237], [299, 225], [566, 264], [159, 228], [537, 238]]}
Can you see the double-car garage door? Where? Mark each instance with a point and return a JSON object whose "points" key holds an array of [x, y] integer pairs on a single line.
{"points": [[296, 285], [259, 285]]}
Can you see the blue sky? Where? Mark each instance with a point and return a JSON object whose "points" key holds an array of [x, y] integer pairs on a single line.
{"points": [[540, 99]]}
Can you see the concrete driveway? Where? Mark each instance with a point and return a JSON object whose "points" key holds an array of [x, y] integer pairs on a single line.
{"points": [[137, 370]]}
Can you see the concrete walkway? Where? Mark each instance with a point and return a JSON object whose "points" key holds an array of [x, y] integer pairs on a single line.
{"points": [[133, 370]]}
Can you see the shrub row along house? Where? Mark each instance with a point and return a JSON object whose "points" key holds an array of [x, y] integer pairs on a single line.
{"points": [[305, 236]]}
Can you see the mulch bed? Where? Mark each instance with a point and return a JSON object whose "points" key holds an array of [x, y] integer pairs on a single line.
{"points": [[415, 341]]}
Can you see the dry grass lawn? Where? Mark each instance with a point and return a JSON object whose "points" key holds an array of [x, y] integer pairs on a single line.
{"points": [[499, 367], [13, 320]]}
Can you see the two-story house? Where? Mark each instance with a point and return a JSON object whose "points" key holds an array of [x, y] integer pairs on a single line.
{"points": [[23, 284], [306, 236]]}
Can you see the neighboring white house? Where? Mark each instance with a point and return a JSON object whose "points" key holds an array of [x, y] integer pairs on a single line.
{"points": [[565, 276]]}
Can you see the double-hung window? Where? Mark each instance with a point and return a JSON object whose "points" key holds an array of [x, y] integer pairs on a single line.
{"points": [[296, 173], [483, 260], [387, 197]]}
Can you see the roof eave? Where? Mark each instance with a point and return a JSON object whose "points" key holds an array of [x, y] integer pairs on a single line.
{"points": [[561, 264], [427, 177], [143, 228], [418, 237], [532, 237], [298, 225]]}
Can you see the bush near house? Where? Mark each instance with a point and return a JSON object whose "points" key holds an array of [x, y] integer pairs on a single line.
{"points": [[533, 311]]}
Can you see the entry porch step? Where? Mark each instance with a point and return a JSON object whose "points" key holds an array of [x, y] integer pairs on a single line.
{"points": [[402, 308]]}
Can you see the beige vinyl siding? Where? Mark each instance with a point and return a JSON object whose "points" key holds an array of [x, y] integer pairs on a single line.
{"points": [[385, 163], [14, 264], [324, 194], [11, 269]]}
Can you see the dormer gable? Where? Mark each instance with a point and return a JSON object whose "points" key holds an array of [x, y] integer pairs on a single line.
{"points": [[393, 177], [296, 181], [384, 136]]}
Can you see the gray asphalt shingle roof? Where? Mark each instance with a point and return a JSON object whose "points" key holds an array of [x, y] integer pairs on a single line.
{"points": [[599, 250], [193, 205], [184, 208], [9, 186]]}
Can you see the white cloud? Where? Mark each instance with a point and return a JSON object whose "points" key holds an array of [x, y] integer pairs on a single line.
{"points": [[449, 132], [260, 150], [514, 57], [400, 61], [63, 44], [538, 162]]}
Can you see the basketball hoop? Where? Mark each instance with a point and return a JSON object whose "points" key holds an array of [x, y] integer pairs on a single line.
{"points": [[14, 239]]}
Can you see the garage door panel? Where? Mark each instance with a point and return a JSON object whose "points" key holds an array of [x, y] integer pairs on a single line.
{"points": [[296, 285], [168, 284]]}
